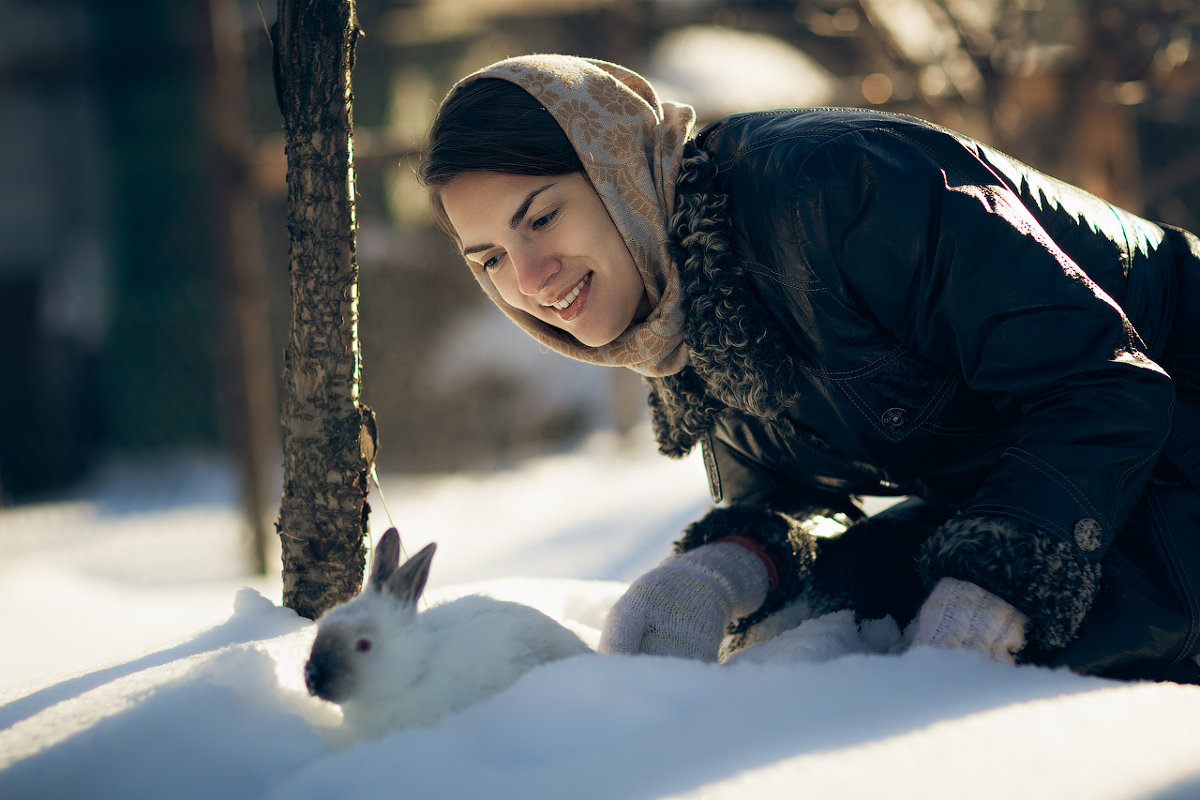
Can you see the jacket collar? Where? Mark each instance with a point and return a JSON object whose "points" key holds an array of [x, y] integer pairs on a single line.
{"points": [[738, 359]]}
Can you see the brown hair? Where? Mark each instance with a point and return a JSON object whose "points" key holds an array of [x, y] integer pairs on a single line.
{"points": [[492, 125]]}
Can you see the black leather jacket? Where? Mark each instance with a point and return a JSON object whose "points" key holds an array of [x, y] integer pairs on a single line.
{"points": [[965, 329]]}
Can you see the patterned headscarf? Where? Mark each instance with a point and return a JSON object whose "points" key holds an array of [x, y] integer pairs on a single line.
{"points": [[631, 145]]}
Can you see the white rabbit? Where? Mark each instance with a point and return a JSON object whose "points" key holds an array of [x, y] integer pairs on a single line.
{"points": [[390, 667]]}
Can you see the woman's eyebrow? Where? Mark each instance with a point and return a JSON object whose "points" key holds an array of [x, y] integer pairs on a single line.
{"points": [[513, 223]]}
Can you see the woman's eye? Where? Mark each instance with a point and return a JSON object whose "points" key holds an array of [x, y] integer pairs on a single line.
{"points": [[490, 262], [544, 220]]}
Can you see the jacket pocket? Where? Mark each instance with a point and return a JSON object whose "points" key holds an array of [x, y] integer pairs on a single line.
{"points": [[897, 394]]}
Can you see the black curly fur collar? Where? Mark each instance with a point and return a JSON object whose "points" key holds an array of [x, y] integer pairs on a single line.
{"points": [[737, 356]]}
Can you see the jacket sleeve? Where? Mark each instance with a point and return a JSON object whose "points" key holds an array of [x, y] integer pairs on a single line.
{"points": [[918, 234]]}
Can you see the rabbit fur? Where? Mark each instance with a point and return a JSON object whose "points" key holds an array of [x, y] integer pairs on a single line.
{"points": [[389, 666]]}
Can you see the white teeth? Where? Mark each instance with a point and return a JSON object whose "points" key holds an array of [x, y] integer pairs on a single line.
{"points": [[565, 303]]}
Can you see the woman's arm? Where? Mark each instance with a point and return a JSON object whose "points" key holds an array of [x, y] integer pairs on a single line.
{"points": [[922, 237]]}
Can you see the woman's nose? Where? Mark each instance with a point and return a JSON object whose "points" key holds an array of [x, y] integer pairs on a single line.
{"points": [[534, 269]]}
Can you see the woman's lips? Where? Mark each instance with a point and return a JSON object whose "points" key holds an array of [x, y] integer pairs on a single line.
{"points": [[571, 305]]}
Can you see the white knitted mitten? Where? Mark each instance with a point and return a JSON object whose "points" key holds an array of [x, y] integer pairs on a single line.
{"points": [[682, 606], [961, 614]]}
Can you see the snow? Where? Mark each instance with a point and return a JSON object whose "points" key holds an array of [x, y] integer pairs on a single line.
{"points": [[485, 342], [754, 71], [139, 662]]}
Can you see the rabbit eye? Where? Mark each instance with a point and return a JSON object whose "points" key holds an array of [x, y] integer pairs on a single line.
{"points": [[363, 645]]}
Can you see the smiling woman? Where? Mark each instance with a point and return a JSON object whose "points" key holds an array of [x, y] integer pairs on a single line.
{"points": [[834, 303], [550, 249], [494, 146]]}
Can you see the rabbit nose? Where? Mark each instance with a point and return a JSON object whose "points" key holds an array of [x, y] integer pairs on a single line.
{"points": [[314, 678]]}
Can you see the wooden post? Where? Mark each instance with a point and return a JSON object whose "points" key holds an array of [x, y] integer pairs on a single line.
{"points": [[328, 435], [249, 393]]}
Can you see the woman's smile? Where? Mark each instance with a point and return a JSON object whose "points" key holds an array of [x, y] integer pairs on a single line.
{"points": [[569, 307], [550, 248]]}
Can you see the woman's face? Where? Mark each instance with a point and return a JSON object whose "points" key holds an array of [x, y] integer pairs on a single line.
{"points": [[550, 248]]}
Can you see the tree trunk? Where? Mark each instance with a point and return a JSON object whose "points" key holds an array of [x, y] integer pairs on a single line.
{"points": [[328, 435]]}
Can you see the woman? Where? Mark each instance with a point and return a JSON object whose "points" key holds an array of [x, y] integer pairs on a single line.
{"points": [[834, 303]]}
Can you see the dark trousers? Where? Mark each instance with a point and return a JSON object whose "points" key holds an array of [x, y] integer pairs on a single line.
{"points": [[1144, 624]]}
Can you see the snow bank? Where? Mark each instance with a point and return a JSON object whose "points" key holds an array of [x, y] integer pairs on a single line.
{"points": [[193, 701]]}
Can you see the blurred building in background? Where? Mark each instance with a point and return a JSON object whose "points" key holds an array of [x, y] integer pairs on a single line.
{"points": [[126, 144]]}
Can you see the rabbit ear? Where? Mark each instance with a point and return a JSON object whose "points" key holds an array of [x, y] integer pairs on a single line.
{"points": [[408, 582], [387, 555]]}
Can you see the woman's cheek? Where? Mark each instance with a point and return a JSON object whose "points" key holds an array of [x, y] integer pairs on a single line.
{"points": [[506, 286]]}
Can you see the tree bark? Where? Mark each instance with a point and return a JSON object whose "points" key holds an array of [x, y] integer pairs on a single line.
{"points": [[328, 435]]}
